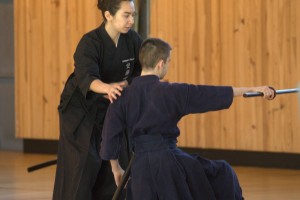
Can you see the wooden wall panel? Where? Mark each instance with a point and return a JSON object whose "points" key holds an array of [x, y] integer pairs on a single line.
{"points": [[46, 35], [239, 43], [219, 42]]}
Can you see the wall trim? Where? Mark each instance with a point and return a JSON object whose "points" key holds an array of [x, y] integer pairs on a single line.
{"points": [[40, 146], [250, 158], [234, 157]]}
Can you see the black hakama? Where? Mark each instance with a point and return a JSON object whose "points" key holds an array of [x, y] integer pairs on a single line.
{"points": [[81, 174]]}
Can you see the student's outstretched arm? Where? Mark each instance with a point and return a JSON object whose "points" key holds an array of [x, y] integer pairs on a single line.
{"points": [[269, 92]]}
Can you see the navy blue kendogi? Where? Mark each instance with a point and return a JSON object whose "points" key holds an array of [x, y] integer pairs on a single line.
{"points": [[150, 111]]}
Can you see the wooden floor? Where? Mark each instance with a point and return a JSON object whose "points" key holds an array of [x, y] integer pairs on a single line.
{"points": [[17, 184]]}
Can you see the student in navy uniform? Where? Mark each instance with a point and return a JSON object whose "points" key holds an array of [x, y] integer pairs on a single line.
{"points": [[150, 111], [106, 60]]}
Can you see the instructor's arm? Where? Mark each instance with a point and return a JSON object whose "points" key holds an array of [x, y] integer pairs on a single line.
{"points": [[113, 90]]}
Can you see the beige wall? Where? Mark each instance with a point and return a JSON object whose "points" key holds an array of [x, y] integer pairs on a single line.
{"points": [[220, 42], [7, 109]]}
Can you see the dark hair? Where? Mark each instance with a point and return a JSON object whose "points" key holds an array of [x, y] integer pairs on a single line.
{"points": [[112, 6], [152, 50]]}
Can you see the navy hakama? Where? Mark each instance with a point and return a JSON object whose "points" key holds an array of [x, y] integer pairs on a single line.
{"points": [[150, 110]]}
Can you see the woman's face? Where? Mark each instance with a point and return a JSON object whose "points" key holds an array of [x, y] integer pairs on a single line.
{"points": [[123, 20]]}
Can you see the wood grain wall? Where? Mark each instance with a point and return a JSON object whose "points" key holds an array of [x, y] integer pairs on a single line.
{"points": [[46, 35], [219, 42], [239, 43]]}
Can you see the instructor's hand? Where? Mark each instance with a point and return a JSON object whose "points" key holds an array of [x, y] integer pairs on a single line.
{"points": [[114, 90]]}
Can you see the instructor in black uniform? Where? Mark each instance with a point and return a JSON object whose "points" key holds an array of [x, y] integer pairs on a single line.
{"points": [[106, 59]]}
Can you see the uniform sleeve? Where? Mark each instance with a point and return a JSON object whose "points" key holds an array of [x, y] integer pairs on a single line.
{"points": [[137, 40], [203, 98], [112, 133], [87, 59]]}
